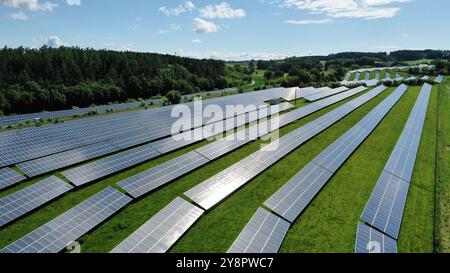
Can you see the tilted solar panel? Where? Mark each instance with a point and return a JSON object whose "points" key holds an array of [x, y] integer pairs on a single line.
{"points": [[58, 161], [385, 207], [162, 174], [60, 232], [9, 177], [264, 233], [30, 198], [109, 165], [369, 240], [159, 233]]}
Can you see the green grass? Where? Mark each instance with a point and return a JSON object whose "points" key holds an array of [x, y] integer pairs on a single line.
{"points": [[217, 230], [421, 61], [443, 179]]}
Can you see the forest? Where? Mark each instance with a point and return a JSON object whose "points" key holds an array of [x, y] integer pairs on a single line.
{"points": [[34, 80]]}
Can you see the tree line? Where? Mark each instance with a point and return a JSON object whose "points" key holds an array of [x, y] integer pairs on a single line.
{"points": [[51, 79]]}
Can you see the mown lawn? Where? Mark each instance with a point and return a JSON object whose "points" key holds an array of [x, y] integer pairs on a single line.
{"points": [[443, 179], [216, 231]]}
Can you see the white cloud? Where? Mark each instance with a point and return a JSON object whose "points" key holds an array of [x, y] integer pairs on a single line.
{"points": [[309, 22], [197, 41], [74, 2], [221, 11], [19, 16], [178, 10], [33, 5], [203, 26], [172, 27], [367, 9], [55, 42]]}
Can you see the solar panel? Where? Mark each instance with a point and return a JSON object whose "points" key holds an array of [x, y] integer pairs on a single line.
{"points": [[439, 79], [295, 196], [385, 207], [57, 234], [377, 76], [162, 231], [58, 161], [347, 77], [384, 210], [425, 78], [264, 233], [9, 177], [292, 199], [367, 76], [218, 187], [357, 76], [322, 95], [162, 174], [24, 201], [109, 165], [369, 240]]}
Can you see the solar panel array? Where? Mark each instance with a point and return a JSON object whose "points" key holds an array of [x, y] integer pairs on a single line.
{"points": [[264, 233], [57, 234], [162, 231], [367, 76], [30, 198], [218, 187], [158, 176], [388, 76], [292, 199], [30, 143], [391, 68], [154, 178], [377, 76], [347, 77], [439, 79], [322, 95], [9, 177], [369, 240], [384, 211], [57, 161], [357, 76], [112, 164]]}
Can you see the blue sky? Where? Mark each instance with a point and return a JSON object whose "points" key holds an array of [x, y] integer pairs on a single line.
{"points": [[231, 30]]}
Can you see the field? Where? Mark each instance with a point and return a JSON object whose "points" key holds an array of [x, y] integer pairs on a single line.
{"points": [[328, 225]]}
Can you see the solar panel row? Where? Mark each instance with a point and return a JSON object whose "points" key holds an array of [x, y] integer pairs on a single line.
{"points": [[357, 76], [367, 76], [60, 232], [384, 211], [292, 199], [159, 233], [218, 187], [30, 198], [9, 177], [369, 240], [264, 233]]}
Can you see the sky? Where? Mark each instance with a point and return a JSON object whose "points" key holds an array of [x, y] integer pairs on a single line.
{"points": [[228, 29]]}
